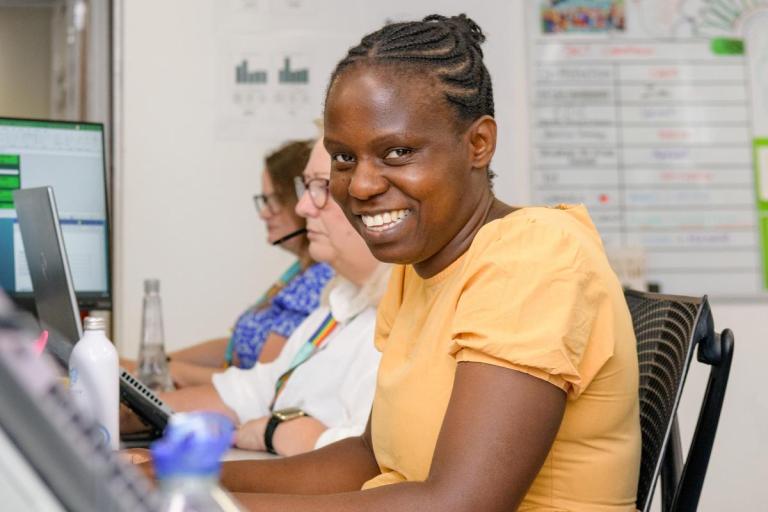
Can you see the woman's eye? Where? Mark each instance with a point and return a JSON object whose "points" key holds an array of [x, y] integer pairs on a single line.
{"points": [[397, 153], [343, 158]]}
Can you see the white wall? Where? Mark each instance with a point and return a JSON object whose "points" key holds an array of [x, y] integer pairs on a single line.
{"points": [[183, 211], [183, 208], [736, 475]]}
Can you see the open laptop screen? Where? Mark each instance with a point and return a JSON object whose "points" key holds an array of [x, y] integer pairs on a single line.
{"points": [[49, 269]]}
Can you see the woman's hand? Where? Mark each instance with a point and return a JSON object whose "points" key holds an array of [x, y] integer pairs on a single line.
{"points": [[142, 459], [250, 435], [128, 365], [135, 455], [130, 423], [185, 374], [290, 437]]}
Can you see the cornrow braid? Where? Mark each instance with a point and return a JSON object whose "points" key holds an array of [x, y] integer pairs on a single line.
{"points": [[446, 47]]}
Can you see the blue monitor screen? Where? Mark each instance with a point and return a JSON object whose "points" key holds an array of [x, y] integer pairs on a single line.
{"points": [[70, 158]]}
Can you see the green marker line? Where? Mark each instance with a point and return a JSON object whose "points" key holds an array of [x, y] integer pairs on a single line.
{"points": [[726, 46], [763, 220], [759, 145]]}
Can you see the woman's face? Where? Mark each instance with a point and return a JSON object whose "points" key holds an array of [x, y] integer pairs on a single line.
{"points": [[331, 238], [401, 170], [282, 221]]}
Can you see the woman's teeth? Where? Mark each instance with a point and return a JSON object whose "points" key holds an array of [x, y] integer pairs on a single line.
{"points": [[384, 221]]}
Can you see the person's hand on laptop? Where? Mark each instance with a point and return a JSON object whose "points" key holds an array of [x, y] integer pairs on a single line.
{"points": [[142, 459], [130, 423]]}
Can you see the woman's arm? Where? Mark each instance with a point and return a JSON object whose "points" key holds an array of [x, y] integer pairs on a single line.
{"points": [[272, 347], [197, 398], [185, 372], [207, 353], [290, 437], [339, 467], [186, 375], [497, 431]]}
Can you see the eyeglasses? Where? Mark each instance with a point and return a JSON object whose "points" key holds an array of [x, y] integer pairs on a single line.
{"points": [[317, 188], [268, 202]]}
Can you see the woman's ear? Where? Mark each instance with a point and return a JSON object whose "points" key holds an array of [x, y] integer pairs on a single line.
{"points": [[482, 141]]}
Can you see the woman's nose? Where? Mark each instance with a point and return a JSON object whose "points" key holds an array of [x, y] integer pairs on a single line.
{"points": [[304, 207], [366, 181], [264, 213]]}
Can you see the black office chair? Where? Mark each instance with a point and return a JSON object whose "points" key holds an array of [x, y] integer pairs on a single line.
{"points": [[668, 329]]}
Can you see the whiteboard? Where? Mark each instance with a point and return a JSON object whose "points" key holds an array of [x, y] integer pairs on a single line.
{"points": [[654, 113]]}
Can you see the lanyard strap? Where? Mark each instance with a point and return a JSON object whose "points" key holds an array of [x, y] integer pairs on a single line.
{"points": [[310, 348], [273, 290]]}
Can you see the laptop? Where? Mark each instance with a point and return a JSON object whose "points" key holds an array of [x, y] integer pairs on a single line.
{"points": [[48, 458], [56, 304]]}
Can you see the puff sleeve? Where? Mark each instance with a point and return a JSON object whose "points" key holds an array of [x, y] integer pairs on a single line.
{"points": [[533, 303]]}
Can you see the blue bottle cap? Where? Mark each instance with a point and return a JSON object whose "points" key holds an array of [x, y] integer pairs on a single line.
{"points": [[192, 444]]}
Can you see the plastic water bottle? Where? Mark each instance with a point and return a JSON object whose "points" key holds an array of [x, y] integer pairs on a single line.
{"points": [[94, 380], [188, 461], [153, 363]]}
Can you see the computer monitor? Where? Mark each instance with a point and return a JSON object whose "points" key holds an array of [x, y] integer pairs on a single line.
{"points": [[70, 158]]}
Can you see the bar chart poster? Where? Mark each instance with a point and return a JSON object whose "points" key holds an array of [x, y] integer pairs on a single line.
{"points": [[654, 114], [270, 87], [267, 92]]}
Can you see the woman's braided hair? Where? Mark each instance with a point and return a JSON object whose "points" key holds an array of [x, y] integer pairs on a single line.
{"points": [[447, 48]]}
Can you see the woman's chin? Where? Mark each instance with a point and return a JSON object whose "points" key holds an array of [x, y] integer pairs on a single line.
{"points": [[391, 253], [320, 254]]}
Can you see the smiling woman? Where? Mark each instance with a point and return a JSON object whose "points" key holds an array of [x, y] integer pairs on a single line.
{"points": [[508, 376], [402, 157]]}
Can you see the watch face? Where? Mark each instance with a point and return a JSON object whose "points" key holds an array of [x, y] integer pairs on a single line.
{"points": [[289, 413]]}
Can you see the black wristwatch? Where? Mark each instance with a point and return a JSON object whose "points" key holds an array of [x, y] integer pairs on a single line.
{"points": [[277, 418]]}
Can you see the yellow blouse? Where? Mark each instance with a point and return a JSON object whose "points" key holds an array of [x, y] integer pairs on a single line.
{"points": [[533, 293]]}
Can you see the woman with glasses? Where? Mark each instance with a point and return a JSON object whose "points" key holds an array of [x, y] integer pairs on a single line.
{"points": [[261, 331], [319, 390]]}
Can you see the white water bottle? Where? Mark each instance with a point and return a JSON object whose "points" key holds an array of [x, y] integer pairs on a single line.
{"points": [[94, 380]]}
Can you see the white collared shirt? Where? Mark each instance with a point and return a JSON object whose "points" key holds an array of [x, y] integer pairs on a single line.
{"points": [[335, 385]]}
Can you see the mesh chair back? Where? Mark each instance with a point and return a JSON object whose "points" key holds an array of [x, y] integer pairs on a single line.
{"points": [[664, 327]]}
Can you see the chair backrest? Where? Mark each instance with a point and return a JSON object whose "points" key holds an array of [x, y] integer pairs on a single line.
{"points": [[668, 329]]}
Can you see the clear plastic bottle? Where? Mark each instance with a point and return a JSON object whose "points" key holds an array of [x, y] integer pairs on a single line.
{"points": [[153, 362], [94, 379], [188, 461]]}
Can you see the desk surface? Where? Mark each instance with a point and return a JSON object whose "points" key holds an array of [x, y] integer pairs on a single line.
{"points": [[238, 454]]}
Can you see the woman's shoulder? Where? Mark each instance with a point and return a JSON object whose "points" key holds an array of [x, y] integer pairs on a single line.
{"points": [[539, 233], [304, 291], [317, 273], [313, 278], [553, 221]]}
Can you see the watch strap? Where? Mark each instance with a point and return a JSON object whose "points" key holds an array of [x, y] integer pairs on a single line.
{"points": [[269, 432]]}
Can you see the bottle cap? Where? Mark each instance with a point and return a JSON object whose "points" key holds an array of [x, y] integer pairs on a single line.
{"points": [[95, 323], [192, 444], [151, 286]]}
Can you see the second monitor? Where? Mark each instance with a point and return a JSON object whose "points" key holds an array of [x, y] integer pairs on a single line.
{"points": [[70, 158]]}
